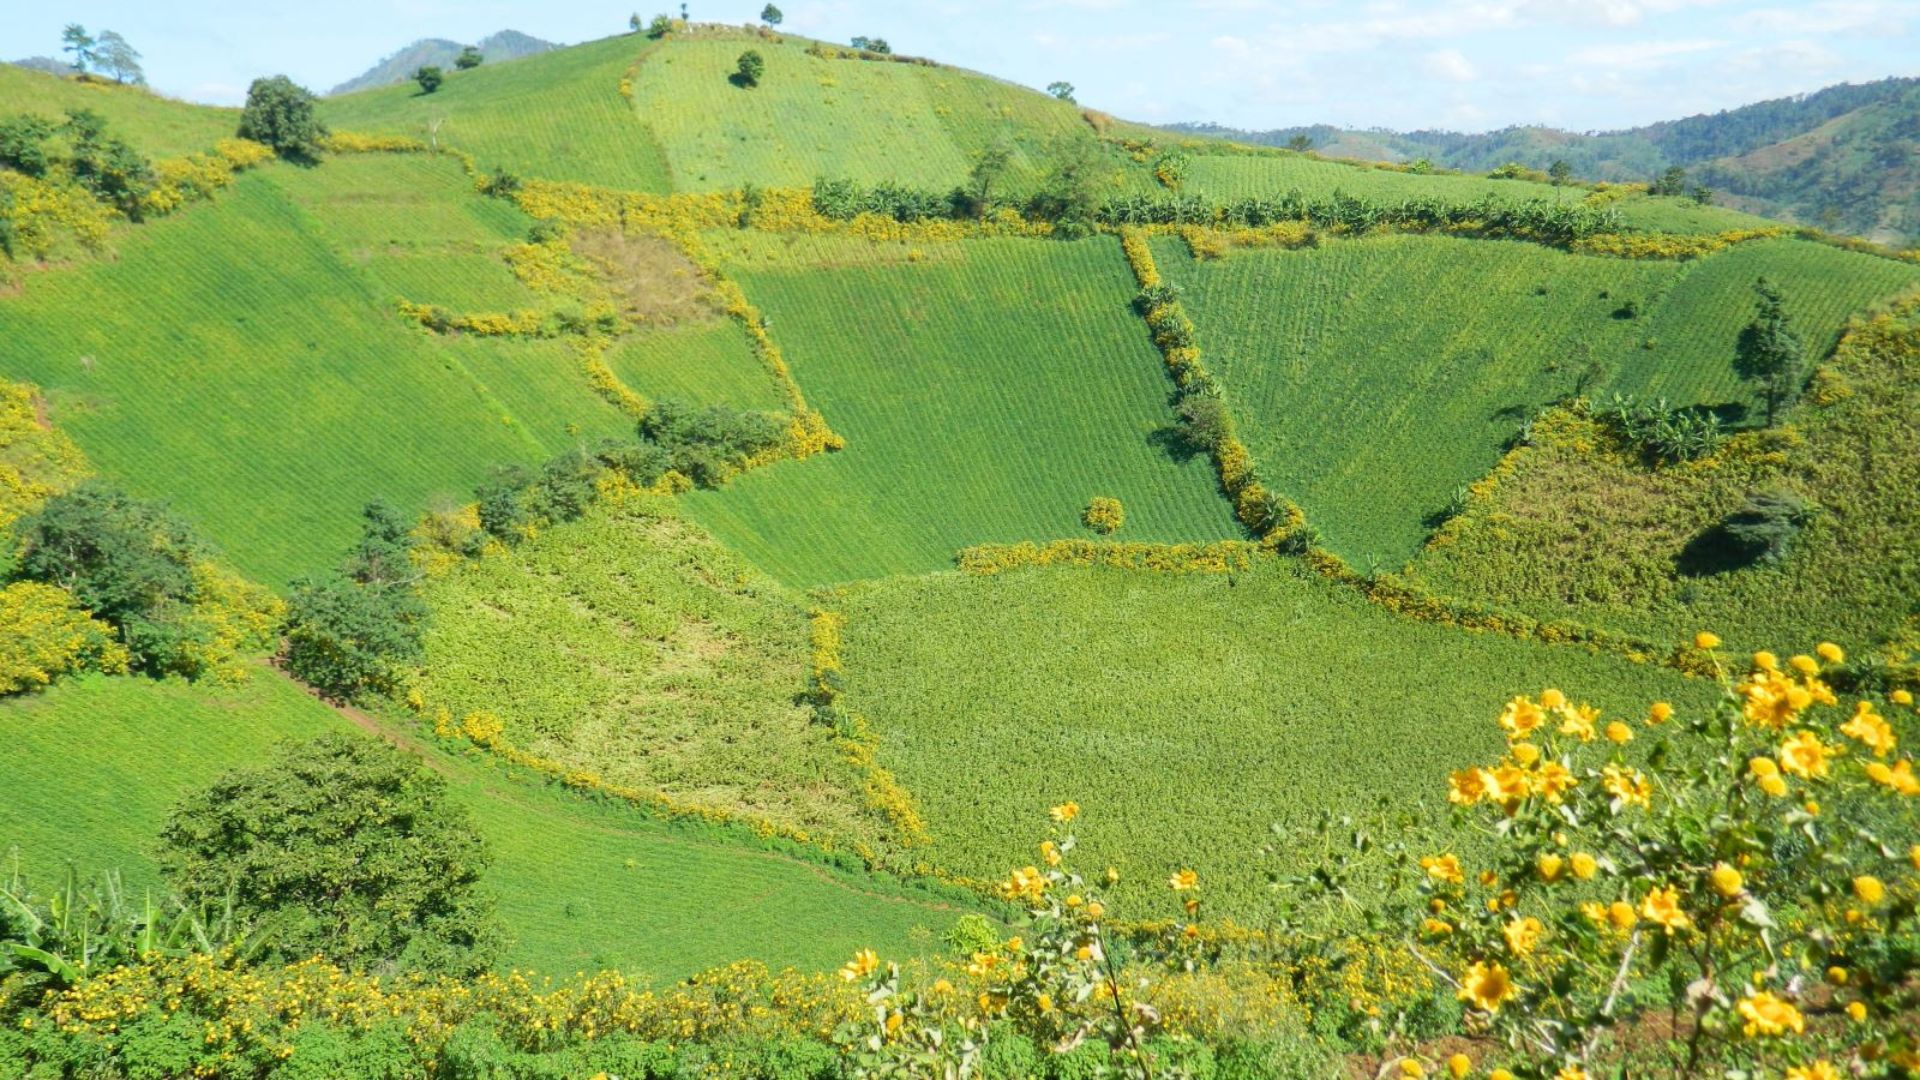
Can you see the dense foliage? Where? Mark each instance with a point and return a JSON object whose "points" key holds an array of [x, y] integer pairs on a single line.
{"points": [[344, 848], [348, 635], [279, 113]]}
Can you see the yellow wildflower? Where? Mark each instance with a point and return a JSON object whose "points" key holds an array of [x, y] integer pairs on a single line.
{"points": [[1466, 787], [1444, 868], [1901, 697], [1837, 975], [1065, 812], [1630, 786], [1571, 1072], [1819, 1070], [862, 965], [1050, 853], [1412, 1069], [1549, 866], [1499, 1074], [1870, 729], [942, 986], [1726, 881], [1772, 700], [1662, 905], [1622, 915], [1869, 889], [1486, 986], [1831, 653], [1584, 865], [1660, 713], [1027, 883], [1436, 928], [1578, 721], [1522, 935], [1766, 661], [1552, 699], [1520, 718], [1857, 1011], [1619, 733], [1775, 786], [1805, 665], [1553, 781], [1183, 880], [1509, 786], [1705, 640], [1459, 1065], [1526, 754], [1096, 909], [1769, 1015], [1805, 756]]}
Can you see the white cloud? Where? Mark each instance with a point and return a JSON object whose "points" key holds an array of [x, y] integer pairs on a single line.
{"points": [[1450, 64], [1637, 54]]}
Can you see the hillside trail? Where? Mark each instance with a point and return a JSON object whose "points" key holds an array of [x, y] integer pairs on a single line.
{"points": [[434, 759]]}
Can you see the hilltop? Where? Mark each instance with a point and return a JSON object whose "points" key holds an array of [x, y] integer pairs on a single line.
{"points": [[440, 52], [1841, 158]]}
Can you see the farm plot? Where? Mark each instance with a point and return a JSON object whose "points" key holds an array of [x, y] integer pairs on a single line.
{"points": [[156, 126], [268, 407], [558, 116], [1372, 378], [95, 764], [1186, 715], [986, 396]]}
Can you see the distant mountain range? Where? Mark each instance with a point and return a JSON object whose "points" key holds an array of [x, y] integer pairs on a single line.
{"points": [[47, 64], [398, 68], [1846, 158]]}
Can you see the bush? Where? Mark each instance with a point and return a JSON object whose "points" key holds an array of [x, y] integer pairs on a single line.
{"points": [[48, 635], [279, 113], [1104, 515], [1664, 434], [349, 849], [429, 77], [750, 67], [1203, 421], [1766, 523], [709, 445], [349, 640]]}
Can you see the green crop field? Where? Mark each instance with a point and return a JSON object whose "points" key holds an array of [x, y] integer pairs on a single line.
{"points": [[269, 406], [558, 115], [1237, 176], [631, 644], [95, 764], [156, 126], [706, 361], [1186, 715], [984, 396], [1369, 401]]}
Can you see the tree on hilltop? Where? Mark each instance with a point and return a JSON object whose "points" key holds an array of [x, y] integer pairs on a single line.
{"points": [[751, 66], [1300, 144], [1061, 89], [77, 41], [429, 77], [469, 59], [771, 15], [280, 114], [118, 58], [1559, 172]]}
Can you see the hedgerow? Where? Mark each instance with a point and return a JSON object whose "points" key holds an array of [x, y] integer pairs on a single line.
{"points": [[1218, 557]]}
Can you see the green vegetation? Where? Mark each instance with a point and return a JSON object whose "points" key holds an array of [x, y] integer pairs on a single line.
{"points": [[1185, 713], [279, 114], [158, 126], [984, 395], [578, 883], [1370, 403], [633, 646]]}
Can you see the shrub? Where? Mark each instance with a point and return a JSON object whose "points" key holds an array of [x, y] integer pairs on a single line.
{"points": [[49, 635], [469, 59], [348, 640], [349, 848], [749, 68], [709, 445], [429, 76], [1104, 515], [1766, 523], [23, 144], [1203, 421], [279, 113]]}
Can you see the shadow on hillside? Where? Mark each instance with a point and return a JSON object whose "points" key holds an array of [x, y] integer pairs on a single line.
{"points": [[1713, 553], [1172, 441]]}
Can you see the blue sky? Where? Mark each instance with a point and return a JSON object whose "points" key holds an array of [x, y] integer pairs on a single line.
{"points": [[1461, 64]]}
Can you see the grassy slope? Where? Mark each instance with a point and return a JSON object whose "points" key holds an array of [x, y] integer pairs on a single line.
{"points": [[558, 115], [94, 765], [269, 406], [156, 126], [1226, 176], [1369, 401], [986, 395], [631, 644], [696, 361], [1185, 714], [1599, 538]]}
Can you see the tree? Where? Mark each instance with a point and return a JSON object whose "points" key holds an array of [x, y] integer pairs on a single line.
{"points": [[348, 849], [23, 143], [872, 45], [771, 15], [634, 23], [1766, 523], [429, 77], [280, 114], [660, 27], [1702, 195], [1062, 90], [118, 58], [1559, 172], [1671, 182], [990, 166], [120, 557], [1071, 191], [106, 165], [750, 67], [1770, 353], [77, 41], [1300, 144], [469, 59]]}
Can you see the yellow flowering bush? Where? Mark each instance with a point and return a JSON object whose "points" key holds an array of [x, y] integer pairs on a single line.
{"points": [[47, 635], [1104, 515], [1751, 870], [36, 459], [37, 215], [1218, 557]]}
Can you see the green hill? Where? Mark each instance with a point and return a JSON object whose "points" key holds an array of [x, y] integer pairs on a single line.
{"points": [[439, 52]]}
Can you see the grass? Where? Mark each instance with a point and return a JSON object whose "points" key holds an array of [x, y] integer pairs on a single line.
{"points": [[558, 115], [95, 764], [709, 361], [985, 396], [1230, 176], [156, 126], [632, 645], [1370, 403], [269, 406], [1186, 714], [1596, 536]]}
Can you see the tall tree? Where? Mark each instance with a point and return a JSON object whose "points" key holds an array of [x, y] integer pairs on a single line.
{"points": [[1770, 353], [989, 169], [429, 77], [280, 113], [469, 59], [77, 41], [118, 58], [771, 15], [1061, 89], [1559, 172]]}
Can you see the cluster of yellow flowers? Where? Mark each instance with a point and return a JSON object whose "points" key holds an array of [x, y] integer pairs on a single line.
{"points": [[38, 213], [882, 789], [1104, 514], [49, 635], [353, 142], [179, 181], [1670, 245], [1218, 557]]}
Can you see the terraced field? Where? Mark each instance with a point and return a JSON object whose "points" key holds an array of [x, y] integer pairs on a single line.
{"points": [[269, 406], [559, 115], [1186, 715], [986, 395], [158, 126], [1369, 401], [96, 763]]}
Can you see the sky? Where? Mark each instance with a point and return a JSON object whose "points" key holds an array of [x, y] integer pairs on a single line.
{"points": [[1466, 65]]}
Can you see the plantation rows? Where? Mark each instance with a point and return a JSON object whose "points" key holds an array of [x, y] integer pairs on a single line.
{"points": [[1370, 404], [985, 396], [560, 115], [1185, 713], [159, 127], [580, 884]]}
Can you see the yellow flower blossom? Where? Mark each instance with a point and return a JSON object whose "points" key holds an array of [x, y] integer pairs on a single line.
{"points": [[1622, 915], [1466, 787], [1183, 880], [1775, 786], [1412, 1069], [1769, 1015], [1857, 1011], [1726, 881], [1772, 700], [1027, 883], [1705, 640], [1553, 781], [1552, 699], [1522, 935], [1525, 754], [1662, 906], [1805, 665], [1869, 889], [1521, 718], [1901, 697], [1630, 786], [862, 965], [1595, 911], [1766, 661], [1870, 729], [1509, 785], [1805, 756], [1065, 812], [1444, 868], [1570, 1072], [1050, 853], [1459, 1065], [1549, 865], [1436, 928], [1831, 653], [1584, 865], [1486, 986], [1578, 721], [1660, 713], [1095, 909], [1619, 733]]}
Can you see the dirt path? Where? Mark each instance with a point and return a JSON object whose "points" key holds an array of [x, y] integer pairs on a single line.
{"points": [[436, 760]]}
